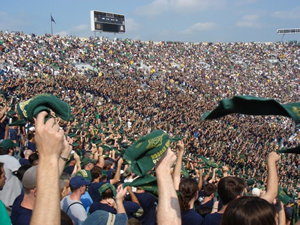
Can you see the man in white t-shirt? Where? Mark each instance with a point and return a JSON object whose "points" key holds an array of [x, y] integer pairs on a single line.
{"points": [[12, 188]]}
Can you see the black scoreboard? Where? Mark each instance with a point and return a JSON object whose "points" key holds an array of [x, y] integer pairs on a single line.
{"points": [[107, 22]]}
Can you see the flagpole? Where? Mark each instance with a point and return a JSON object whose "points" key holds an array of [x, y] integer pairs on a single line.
{"points": [[51, 24]]}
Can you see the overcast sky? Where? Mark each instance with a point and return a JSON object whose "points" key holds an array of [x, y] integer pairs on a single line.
{"points": [[159, 20]]}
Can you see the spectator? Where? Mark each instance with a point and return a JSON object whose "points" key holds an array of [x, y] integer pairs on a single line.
{"points": [[12, 187], [71, 204]]}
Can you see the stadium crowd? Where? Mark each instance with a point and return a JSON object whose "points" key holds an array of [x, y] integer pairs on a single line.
{"points": [[121, 90]]}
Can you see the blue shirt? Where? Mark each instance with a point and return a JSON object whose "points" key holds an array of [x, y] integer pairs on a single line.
{"points": [[213, 219], [86, 201], [19, 214], [148, 203], [191, 217], [93, 191], [100, 206], [31, 146], [131, 208]]}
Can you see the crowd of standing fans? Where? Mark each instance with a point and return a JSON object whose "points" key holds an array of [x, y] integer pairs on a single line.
{"points": [[122, 90]]}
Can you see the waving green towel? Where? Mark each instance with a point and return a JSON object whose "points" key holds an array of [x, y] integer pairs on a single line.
{"points": [[43, 102]]}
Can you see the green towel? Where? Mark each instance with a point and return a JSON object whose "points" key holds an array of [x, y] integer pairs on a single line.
{"points": [[251, 105], [145, 182], [282, 196], [210, 163], [295, 150], [43, 102], [146, 152]]}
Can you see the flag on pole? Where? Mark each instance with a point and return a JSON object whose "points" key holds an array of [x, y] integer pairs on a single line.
{"points": [[52, 20]]}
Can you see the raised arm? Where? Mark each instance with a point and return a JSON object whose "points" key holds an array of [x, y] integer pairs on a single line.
{"points": [[177, 171], [272, 183], [118, 172], [168, 206], [200, 181], [50, 141]]}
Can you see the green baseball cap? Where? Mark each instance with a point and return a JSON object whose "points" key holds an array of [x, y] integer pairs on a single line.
{"points": [[7, 144]]}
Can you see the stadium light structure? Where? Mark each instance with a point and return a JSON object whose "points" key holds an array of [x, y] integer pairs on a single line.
{"points": [[288, 31]]}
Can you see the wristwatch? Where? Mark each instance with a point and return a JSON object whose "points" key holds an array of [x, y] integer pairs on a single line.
{"points": [[63, 158]]}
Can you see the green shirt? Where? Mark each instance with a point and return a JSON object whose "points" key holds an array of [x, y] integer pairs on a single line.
{"points": [[4, 218]]}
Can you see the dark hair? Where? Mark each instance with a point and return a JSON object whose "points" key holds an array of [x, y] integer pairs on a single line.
{"points": [[96, 172], [1, 166], [107, 194], [20, 172], [229, 188], [34, 156], [30, 135], [249, 210], [133, 221], [103, 178], [3, 151], [203, 211], [188, 187], [65, 219], [209, 189]]}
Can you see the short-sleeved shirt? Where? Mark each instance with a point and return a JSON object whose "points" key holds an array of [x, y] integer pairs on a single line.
{"points": [[213, 219], [208, 204], [93, 191], [4, 218], [12, 187], [148, 203], [24, 162], [191, 217], [131, 208], [76, 211], [19, 214], [100, 206], [86, 201], [31, 146]]}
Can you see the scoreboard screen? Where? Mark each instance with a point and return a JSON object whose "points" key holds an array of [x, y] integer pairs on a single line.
{"points": [[107, 22]]}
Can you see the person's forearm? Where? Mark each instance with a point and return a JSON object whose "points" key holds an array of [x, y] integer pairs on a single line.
{"points": [[133, 197], [200, 182], [177, 171], [168, 206], [117, 175], [48, 196], [120, 206], [272, 183], [281, 215]]}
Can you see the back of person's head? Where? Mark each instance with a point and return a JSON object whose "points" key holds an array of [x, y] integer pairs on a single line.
{"points": [[30, 135], [96, 172], [29, 180], [3, 151], [229, 188], [209, 189], [21, 171], [33, 159], [249, 210], [203, 211], [107, 194], [27, 153], [188, 188]]}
